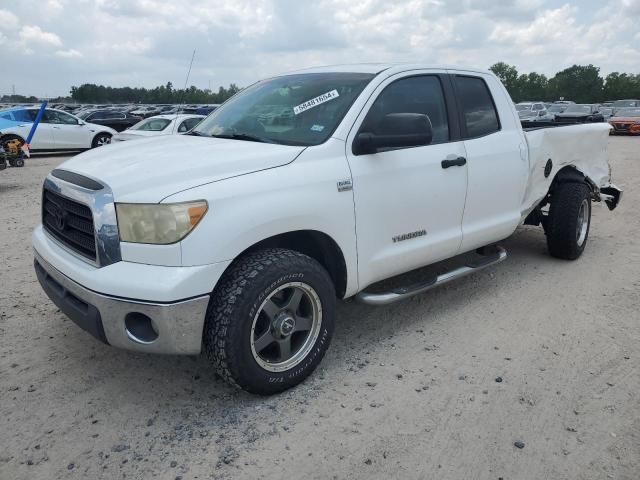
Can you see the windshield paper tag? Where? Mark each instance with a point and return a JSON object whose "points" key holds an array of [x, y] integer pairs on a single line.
{"points": [[314, 102]]}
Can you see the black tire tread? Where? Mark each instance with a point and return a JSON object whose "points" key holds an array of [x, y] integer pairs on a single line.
{"points": [[561, 223], [94, 142], [232, 290]]}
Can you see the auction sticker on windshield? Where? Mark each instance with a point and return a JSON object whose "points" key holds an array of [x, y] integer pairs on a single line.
{"points": [[314, 102]]}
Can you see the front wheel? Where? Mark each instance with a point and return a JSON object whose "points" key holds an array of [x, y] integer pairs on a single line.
{"points": [[270, 321], [101, 140], [569, 220]]}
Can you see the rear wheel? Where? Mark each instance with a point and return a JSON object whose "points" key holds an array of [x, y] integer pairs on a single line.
{"points": [[569, 220], [270, 321], [101, 140]]}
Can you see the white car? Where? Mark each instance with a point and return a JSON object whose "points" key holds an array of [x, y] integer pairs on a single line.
{"points": [[57, 130], [238, 237], [159, 125]]}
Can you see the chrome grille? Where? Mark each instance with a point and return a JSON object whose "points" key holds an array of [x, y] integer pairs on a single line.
{"points": [[69, 222]]}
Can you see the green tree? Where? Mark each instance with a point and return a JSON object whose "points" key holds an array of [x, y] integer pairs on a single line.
{"points": [[533, 86], [508, 75], [91, 93], [621, 85], [580, 83]]}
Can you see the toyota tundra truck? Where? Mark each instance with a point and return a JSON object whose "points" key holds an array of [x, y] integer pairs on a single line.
{"points": [[238, 238]]}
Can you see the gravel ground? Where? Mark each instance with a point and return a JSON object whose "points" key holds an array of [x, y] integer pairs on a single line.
{"points": [[406, 391]]}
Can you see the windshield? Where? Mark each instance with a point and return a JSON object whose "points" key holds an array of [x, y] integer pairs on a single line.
{"points": [[152, 124], [578, 109], [523, 107], [556, 108], [83, 115], [302, 109], [628, 112]]}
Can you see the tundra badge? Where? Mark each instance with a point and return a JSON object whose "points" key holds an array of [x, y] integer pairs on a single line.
{"points": [[344, 185], [409, 236]]}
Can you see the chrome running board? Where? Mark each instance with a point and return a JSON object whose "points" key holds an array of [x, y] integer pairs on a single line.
{"points": [[485, 260]]}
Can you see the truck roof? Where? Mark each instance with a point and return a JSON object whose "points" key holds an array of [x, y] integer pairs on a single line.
{"points": [[376, 68]]}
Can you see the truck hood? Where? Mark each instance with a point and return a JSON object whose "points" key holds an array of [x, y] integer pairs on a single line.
{"points": [[149, 170]]}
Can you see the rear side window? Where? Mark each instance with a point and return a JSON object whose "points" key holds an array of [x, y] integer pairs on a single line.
{"points": [[479, 112], [419, 94], [188, 124]]}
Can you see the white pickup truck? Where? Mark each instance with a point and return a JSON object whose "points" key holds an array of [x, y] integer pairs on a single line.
{"points": [[238, 237]]}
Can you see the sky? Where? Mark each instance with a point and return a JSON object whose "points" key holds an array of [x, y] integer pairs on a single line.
{"points": [[46, 46]]}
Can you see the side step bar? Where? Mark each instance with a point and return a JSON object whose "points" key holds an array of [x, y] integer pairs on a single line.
{"points": [[397, 294]]}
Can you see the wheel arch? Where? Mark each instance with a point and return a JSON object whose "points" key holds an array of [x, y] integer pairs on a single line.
{"points": [[3, 136], [98, 133], [313, 243], [567, 174], [571, 174]]}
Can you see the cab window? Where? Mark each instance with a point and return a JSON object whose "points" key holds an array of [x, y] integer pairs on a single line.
{"points": [[478, 110], [52, 116], [420, 94]]}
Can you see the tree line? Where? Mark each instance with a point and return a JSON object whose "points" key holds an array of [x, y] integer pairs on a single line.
{"points": [[91, 93], [579, 83]]}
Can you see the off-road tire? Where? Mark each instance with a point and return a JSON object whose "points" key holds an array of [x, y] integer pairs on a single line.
{"points": [[101, 139], [233, 306], [562, 223]]}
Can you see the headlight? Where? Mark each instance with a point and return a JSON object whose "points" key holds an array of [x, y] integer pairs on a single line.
{"points": [[159, 223]]}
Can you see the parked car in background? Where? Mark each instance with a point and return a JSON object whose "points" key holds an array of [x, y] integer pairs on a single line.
{"points": [[206, 109], [159, 125], [119, 121], [606, 112], [145, 112], [535, 116], [626, 121], [580, 113], [557, 108], [57, 130], [618, 104], [530, 106]]}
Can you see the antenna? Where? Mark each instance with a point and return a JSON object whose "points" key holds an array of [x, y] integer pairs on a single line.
{"points": [[184, 90]]}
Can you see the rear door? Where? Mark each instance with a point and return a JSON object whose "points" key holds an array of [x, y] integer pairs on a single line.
{"points": [[408, 207], [68, 133], [496, 160]]}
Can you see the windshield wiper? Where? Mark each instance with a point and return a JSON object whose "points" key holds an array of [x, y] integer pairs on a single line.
{"points": [[195, 133], [244, 136]]}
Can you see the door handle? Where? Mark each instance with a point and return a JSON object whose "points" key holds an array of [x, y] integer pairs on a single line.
{"points": [[456, 162]]}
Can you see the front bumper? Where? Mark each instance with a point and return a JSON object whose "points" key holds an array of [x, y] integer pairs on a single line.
{"points": [[173, 328], [99, 299]]}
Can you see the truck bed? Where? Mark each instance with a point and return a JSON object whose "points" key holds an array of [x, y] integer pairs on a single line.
{"points": [[582, 146]]}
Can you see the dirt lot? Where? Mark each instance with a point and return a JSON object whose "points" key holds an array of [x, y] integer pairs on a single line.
{"points": [[406, 391]]}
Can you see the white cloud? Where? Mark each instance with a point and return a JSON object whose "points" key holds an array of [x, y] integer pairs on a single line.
{"points": [[34, 34], [149, 42], [8, 20], [71, 53]]}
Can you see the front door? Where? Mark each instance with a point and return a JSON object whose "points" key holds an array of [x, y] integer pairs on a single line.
{"points": [[408, 204], [43, 136]]}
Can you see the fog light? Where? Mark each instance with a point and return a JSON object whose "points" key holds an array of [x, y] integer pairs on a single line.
{"points": [[140, 328]]}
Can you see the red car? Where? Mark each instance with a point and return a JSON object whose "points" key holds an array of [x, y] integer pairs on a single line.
{"points": [[626, 121]]}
